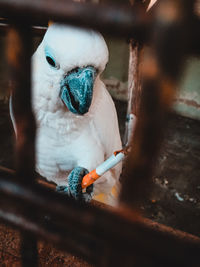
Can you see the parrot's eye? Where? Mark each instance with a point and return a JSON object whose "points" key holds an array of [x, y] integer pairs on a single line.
{"points": [[51, 61]]}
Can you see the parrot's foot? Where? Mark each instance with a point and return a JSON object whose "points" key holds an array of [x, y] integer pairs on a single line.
{"points": [[74, 188]]}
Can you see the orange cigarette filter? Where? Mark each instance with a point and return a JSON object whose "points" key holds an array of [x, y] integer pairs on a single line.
{"points": [[89, 178]]}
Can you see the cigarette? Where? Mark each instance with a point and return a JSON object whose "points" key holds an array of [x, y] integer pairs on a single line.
{"points": [[113, 160]]}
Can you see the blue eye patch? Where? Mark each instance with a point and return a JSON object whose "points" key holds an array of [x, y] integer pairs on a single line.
{"points": [[50, 58]]}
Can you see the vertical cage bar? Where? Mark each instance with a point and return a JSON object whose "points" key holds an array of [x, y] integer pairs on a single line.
{"points": [[160, 71], [134, 85], [136, 183], [19, 55], [134, 90], [29, 253]]}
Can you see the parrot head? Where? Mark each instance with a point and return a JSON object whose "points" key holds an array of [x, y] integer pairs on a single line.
{"points": [[70, 60]]}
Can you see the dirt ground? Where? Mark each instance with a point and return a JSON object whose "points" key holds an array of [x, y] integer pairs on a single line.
{"points": [[175, 198]]}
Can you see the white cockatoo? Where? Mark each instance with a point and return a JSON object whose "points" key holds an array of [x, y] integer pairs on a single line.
{"points": [[77, 125]]}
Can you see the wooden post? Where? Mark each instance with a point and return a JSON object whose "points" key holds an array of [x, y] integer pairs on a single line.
{"points": [[134, 90], [19, 56]]}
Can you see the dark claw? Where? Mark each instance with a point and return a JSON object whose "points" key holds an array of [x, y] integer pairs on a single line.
{"points": [[74, 189], [63, 189]]}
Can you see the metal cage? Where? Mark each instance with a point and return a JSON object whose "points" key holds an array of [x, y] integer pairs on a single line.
{"points": [[108, 236]]}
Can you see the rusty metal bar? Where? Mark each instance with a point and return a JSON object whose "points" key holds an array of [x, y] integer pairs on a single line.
{"points": [[18, 55], [117, 20], [29, 251], [113, 19], [159, 72], [37, 30], [134, 89], [134, 84], [89, 231]]}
